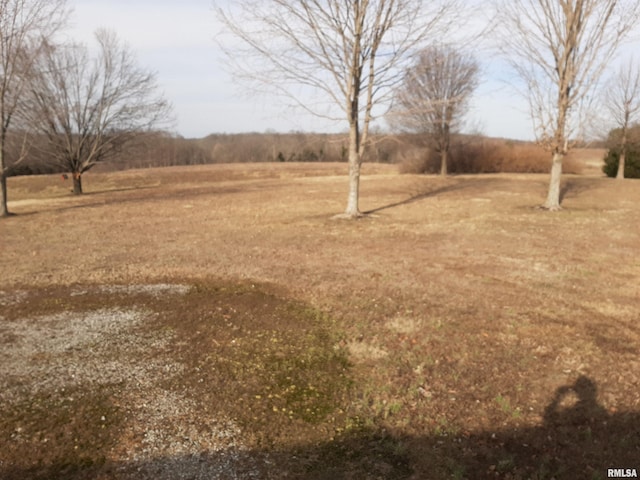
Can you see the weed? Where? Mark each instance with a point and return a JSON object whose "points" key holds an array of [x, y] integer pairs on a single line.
{"points": [[506, 407], [456, 470]]}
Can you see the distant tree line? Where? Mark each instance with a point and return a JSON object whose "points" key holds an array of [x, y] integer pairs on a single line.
{"points": [[413, 153], [164, 149], [146, 150]]}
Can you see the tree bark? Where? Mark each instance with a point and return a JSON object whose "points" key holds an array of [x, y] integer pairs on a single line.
{"points": [[553, 197], [77, 184], [443, 162], [620, 174], [4, 211], [623, 151], [355, 162]]}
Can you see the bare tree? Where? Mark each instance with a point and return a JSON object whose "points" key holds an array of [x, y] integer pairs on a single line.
{"points": [[434, 96], [622, 101], [349, 53], [91, 108], [24, 26], [559, 49]]}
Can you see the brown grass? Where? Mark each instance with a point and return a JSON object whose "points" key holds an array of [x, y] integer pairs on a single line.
{"points": [[485, 338]]}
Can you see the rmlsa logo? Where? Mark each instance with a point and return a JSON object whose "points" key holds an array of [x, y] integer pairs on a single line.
{"points": [[622, 473]]}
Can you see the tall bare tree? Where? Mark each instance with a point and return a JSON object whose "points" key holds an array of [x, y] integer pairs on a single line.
{"points": [[559, 49], [434, 96], [622, 101], [91, 108], [24, 26], [350, 53]]}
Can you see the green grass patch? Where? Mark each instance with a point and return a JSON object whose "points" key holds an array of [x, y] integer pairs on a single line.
{"points": [[272, 365]]}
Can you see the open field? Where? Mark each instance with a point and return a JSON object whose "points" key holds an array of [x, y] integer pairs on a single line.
{"points": [[216, 322]]}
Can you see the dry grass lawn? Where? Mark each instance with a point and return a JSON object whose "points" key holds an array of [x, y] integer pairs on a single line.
{"points": [[455, 332]]}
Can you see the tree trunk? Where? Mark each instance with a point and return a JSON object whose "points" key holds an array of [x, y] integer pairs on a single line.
{"points": [[353, 210], [623, 154], [355, 162], [443, 162], [4, 211], [77, 184], [623, 148], [553, 197], [445, 145]]}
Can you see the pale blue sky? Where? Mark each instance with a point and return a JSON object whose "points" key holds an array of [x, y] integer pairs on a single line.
{"points": [[176, 40]]}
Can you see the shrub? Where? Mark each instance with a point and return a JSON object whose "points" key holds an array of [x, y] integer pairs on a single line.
{"points": [[631, 162], [483, 155], [486, 155], [418, 160]]}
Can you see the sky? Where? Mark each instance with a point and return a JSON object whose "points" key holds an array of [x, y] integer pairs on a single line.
{"points": [[176, 40]]}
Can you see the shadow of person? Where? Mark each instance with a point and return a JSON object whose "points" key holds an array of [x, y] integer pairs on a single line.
{"points": [[575, 404]]}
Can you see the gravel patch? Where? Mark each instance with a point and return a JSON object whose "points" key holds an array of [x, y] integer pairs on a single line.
{"points": [[56, 351], [155, 290], [165, 435], [55, 334], [177, 443]]}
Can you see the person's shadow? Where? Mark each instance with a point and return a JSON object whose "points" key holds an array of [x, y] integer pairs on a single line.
{"points": [[585, 409], [578, 438]]}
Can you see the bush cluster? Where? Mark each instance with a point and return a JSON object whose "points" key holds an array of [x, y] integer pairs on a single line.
{"points": [[631, 162], [483, 155]]}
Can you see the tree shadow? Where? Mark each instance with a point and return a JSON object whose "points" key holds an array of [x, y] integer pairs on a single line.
{"points": [[483, 185], [125, 196], [578, 439], [54, 206], [107, 191], [575, 186], [480, 184]]}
